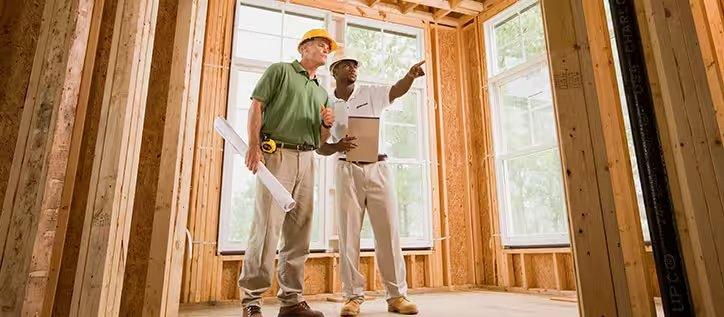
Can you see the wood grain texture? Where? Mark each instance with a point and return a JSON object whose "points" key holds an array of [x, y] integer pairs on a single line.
{"points": [[106, 229], [455, 160], [134, 282], [20, 22], [77, 202], [32, 201], [692, 149]]}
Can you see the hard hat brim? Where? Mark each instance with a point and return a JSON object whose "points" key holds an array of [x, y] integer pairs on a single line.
{"points": [[333, 46], [331, 67]]}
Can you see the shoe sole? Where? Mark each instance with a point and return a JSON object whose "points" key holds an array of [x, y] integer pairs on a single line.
{"points": [[392, 310]]}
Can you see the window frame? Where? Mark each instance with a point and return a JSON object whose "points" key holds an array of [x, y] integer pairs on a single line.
{"points": [[496, 80]]}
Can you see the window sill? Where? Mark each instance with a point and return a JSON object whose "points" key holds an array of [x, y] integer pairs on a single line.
{"points": [[328, 254]]}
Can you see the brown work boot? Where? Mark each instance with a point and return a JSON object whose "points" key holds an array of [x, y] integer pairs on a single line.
{"points": [[401, 305], [299, 310], [351, 307], [252, 311]]}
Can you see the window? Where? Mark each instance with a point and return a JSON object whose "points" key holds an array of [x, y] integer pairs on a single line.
{"points": [[275, 28], [530, 184], [627, 124], [386, 54]]}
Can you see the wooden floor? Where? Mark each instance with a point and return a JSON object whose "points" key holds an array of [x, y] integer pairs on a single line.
{"points": [[458, 304]]}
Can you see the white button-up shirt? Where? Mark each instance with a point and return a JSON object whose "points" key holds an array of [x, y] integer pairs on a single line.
{"points": [[365, 101]]}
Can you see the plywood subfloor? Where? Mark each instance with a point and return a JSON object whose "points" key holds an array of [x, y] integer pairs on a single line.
{"points": [[459, 304]]}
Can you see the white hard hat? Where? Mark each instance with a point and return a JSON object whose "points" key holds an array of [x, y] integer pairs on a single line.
{"points": [[343, 54]]}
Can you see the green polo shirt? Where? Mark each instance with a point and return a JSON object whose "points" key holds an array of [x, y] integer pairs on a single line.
{"points": [[292, 104]]}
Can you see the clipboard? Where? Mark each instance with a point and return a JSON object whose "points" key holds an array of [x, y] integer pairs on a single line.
{"points": [[367, 132]]}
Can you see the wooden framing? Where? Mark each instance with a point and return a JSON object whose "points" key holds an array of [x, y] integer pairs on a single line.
{"points": [[600, 247], [32, 201], [163, 277], [692, 147], [618, 163], [709, 20], [79, 141], [101, 264]]}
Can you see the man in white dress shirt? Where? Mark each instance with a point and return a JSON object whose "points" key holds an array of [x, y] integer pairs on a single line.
{"points": [[366, 186]]}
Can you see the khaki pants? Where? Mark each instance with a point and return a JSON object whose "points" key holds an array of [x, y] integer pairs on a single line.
{"points": [[295, 171], [370, 187]]}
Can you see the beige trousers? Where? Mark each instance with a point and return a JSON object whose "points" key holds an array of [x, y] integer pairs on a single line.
{"points": [[368, 187], [295, 171]]}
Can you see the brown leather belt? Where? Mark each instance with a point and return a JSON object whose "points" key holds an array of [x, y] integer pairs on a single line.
{"points": [[380, 158], [298, 147]]}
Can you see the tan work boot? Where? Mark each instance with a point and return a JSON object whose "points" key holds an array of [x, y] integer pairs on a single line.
{"points": [[401, 305], [351, 307]]}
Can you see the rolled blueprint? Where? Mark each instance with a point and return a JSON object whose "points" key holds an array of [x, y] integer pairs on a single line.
{"points": [[281, 195]]}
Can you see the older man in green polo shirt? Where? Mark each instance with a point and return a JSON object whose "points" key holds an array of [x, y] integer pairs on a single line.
{"points": [[288, 118]]}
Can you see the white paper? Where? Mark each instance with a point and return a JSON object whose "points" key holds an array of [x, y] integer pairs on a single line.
{"points": [[281, 195]]}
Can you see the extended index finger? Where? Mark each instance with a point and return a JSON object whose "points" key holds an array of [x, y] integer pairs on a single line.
{"points": [[420, 63]]}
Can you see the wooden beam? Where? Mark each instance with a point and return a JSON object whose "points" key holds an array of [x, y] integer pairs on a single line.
{"points": [[559, 273], [441, 13], [695, 160], [104, 241], [709, 21], [163, 278], [407, 7], [462, 6], [382, 11], [372, 3], [432, 69], [32, 202], [527, 267], [618, 163], [599, 248]]}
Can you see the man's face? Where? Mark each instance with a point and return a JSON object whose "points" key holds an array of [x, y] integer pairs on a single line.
{"points": [[346, 70], [316, 50]]}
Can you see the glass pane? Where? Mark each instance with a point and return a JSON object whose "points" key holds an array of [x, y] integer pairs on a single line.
{"points": [[508, 47], [259, 20], [535, 199], [400, 54], [366, 228], [404, 109], [544, 123], [531, 23], [296, 25], [289, 50], [367, 44], [243, 187], [257, 46], [400, 141], [517, 98], [241, 86], [410, 185]]}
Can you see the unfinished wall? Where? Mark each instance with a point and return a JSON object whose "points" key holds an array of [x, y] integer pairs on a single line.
{"points": [[19, 30], [480, 152], [202, 274], [86, 154], [134, 282], [455, 163]]}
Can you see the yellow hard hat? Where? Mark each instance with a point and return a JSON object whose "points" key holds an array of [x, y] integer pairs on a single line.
{"points": [[319, 33]]}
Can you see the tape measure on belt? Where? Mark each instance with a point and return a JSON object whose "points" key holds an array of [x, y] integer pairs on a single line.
{"points": [[269, 146]]}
